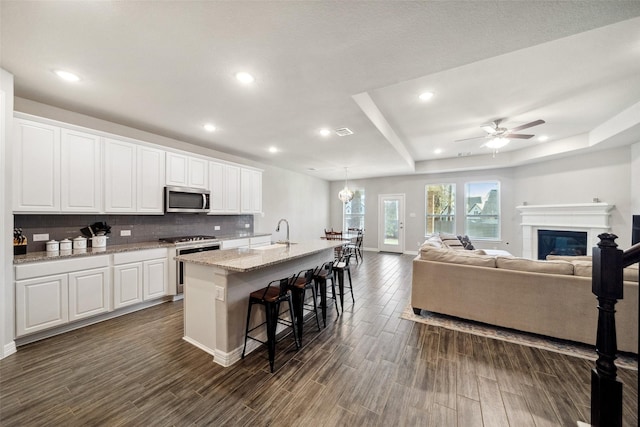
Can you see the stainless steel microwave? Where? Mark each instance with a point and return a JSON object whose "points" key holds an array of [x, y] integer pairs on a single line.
{"points": [[184, 199]]}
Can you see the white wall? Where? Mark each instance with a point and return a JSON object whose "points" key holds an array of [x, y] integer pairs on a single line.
{"points": [[578, 179], [635, 178], [302, 200], [7, 345], [604, 174]]}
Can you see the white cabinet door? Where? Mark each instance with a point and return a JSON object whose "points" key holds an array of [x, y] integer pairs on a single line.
{"points": [[81, 172], [120, 176], [89, 293], [251, 191], [155, 278], [41, 303], [187, 171], [224, 184], [127, 284], [151, 170], [177, 170], [36, 167], [198, 173]]}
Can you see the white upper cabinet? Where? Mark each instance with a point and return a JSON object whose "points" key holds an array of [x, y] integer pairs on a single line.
{"points": [[81, 172], [56, 169], [36, 167], [224, 184], [187, 171], [120, 176], [251, 191], [151, 172], [134, 178]]}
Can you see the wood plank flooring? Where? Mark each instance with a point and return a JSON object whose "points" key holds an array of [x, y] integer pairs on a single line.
{"points": [[367, 368]]}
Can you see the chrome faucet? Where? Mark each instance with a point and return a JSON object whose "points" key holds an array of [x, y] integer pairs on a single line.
{"points": [[278, 229]]}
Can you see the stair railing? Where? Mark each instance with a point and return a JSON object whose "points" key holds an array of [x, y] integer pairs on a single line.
{"points": [[607, 277]]}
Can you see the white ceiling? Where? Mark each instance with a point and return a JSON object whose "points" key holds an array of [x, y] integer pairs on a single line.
{"points": [[168, 68]]}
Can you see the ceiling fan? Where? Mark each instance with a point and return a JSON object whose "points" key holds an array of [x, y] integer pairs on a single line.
{"points": [[499, 136]]}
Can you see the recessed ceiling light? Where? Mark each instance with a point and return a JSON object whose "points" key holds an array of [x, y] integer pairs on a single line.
{"points": [[244, 77], [426, 96], [543, 138], [325, 132], [437, 151], [209, 127], [273, 149], [66, 75]]}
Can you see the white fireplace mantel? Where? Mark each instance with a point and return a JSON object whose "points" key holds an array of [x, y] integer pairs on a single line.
{"points": [[592, 218]]}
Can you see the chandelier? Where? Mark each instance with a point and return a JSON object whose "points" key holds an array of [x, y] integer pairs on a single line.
{"points": [[345, 195]]}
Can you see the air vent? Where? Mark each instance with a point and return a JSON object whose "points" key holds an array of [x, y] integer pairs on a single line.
{"points": [[465, 154], [344, 132]]}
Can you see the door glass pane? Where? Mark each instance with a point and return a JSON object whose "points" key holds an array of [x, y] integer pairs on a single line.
{"points": [[391, 224]]}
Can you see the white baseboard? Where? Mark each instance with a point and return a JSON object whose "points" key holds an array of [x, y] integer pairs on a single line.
{"points": [[8, 349]]}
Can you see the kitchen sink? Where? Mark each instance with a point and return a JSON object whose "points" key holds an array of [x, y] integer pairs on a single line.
{"points": [[273, 246]]}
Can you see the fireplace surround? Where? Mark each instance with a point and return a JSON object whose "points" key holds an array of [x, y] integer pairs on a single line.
{"points": [[591, 218]]}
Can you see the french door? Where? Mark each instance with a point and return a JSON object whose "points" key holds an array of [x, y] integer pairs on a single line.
{"points": [[391, 223]]}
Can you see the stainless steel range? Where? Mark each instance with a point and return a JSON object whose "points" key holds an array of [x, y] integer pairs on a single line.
{"points": [[189, 245]]}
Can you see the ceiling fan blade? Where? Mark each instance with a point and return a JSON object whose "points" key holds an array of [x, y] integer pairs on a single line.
{"points": [[469, 139], [517, 136], [528, 125]]}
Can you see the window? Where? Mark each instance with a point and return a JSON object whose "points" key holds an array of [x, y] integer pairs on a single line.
{"points": [[482, 210], [354, 211], [440, 208]]}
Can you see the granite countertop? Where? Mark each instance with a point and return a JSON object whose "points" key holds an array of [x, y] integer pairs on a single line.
{"points": [[53, 256], [243, 259]]}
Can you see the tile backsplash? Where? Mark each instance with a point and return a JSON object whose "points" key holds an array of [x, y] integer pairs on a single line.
{"points": [[143, 228]]}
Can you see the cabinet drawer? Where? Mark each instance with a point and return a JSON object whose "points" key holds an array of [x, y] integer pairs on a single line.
{"points": [[138, 256], [48, 268]]}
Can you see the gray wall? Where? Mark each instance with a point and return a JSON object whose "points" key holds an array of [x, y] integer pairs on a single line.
{"points": [[604, 174]]}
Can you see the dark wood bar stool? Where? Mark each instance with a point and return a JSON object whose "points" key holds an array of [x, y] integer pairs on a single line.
{"points": [[276, 292], [321, 277], [340, 266], [299, 286]]}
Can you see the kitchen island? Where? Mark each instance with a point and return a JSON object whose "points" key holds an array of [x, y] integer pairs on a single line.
{"points": [[218, 284]]}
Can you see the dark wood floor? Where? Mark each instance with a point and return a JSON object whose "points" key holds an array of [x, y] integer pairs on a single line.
{"points": [[368, 367]]}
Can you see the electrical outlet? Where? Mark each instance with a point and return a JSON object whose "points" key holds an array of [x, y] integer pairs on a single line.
{"points": [[247, 225], [41, 237], [219, 293], [125, 232], [216, 228]]}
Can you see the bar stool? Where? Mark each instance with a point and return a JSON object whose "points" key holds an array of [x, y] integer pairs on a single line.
{"points": [[340, 265], [321, 277], [271, 297], [299, 286]]}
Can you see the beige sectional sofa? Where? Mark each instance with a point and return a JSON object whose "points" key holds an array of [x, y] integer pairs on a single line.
{"points": [[551, 297]]}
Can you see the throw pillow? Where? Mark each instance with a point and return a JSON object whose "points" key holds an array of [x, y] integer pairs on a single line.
{"points": [[466, 242]]}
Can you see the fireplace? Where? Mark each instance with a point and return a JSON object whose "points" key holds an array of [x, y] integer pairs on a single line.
{"points": [[560, 242], [588, 218]]}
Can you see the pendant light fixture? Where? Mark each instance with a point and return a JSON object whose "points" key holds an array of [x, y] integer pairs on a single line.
{"points": [[345, 195]]}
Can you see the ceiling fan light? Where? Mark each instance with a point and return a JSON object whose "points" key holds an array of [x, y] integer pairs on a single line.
{"points": [[496, 143]]}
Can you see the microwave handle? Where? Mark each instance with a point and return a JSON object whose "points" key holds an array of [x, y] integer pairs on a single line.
{"points": [[204, 200]]}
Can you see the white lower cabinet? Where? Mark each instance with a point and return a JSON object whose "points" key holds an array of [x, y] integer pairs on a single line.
{"points": [[53, 293], [41, 303], [127, 284], [89, 293], [139, 276]]}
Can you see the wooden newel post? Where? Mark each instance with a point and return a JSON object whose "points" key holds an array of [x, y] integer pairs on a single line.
{"points": [[606, 389]]}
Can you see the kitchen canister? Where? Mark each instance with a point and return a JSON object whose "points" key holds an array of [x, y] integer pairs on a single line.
{"points": [[65, 245], [99, 241], [80, 242], [53, 246]]}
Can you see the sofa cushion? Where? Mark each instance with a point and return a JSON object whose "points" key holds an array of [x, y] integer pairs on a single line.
{"points": [[584, 268], [477, 258], [535, 266], [569, 258]]}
